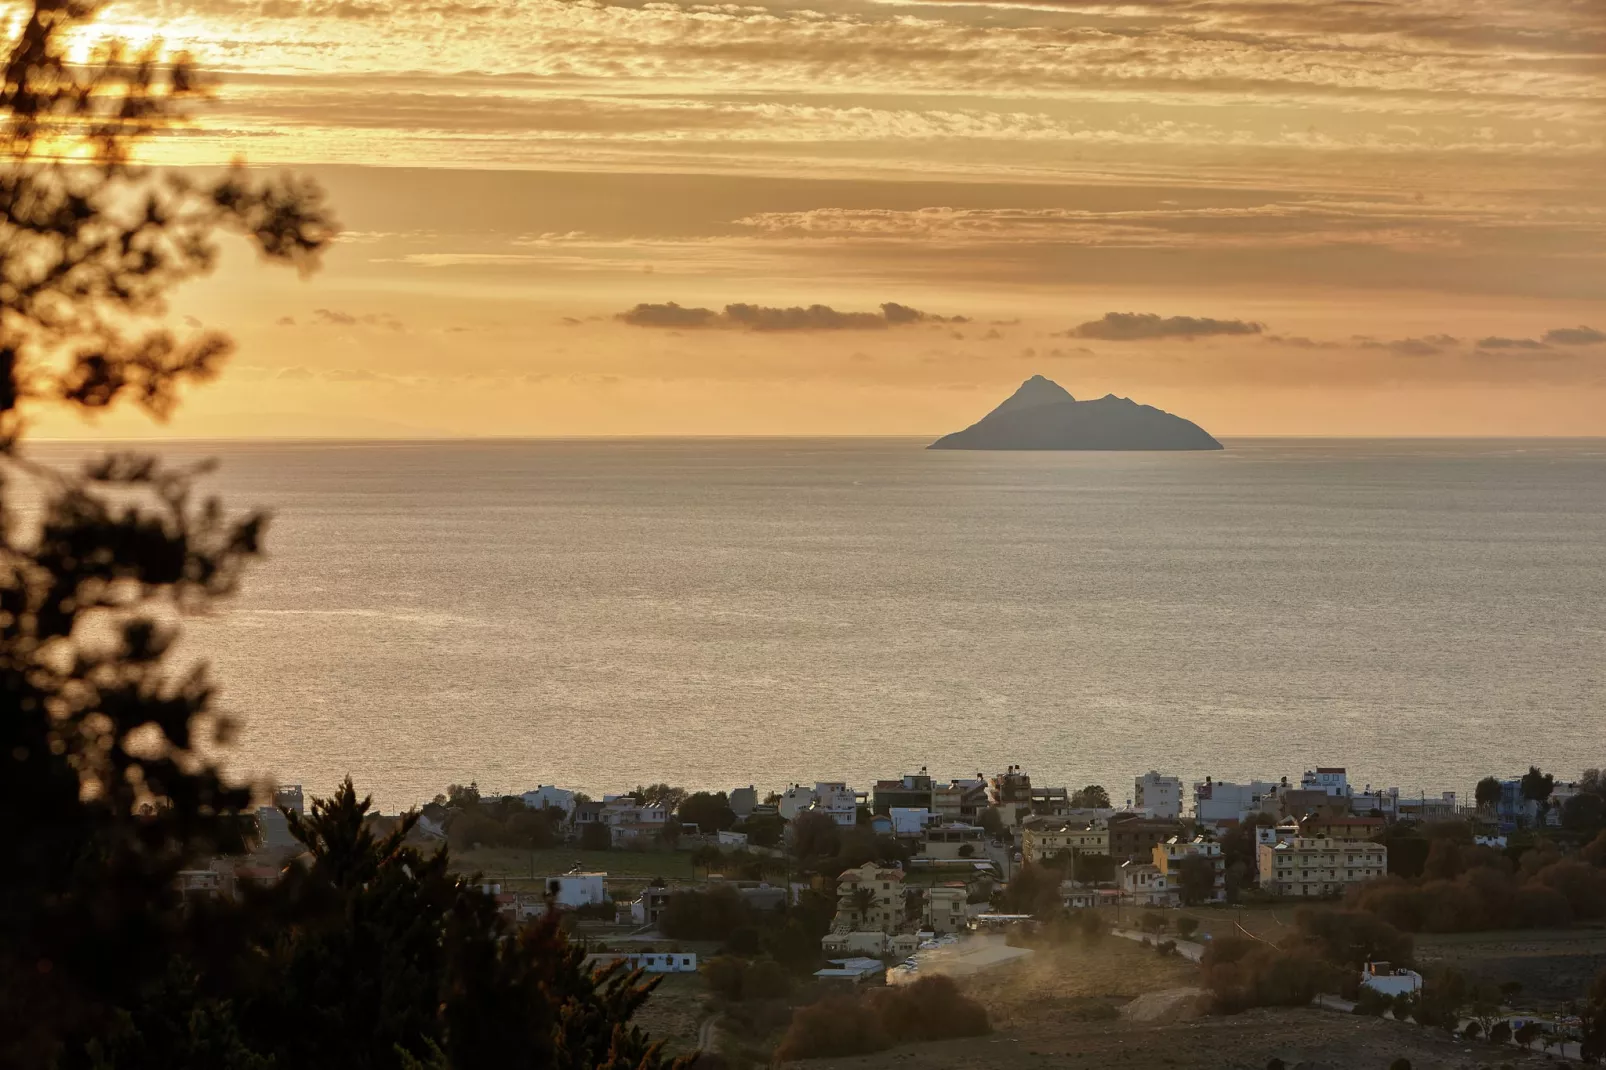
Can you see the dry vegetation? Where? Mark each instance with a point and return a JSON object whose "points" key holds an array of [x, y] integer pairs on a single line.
{"points": [[1077, 981]]}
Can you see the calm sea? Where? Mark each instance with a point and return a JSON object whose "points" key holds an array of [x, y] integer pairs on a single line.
{"points": [[719, 612]]}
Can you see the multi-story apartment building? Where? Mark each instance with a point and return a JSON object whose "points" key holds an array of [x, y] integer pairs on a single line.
{"points": [[869, 899], [954, 842], [1321, 827], [961, 799], [1133, 836], [1159, 796], [1319, 866], [1043, 838], [912, 792], [1218, 800]]}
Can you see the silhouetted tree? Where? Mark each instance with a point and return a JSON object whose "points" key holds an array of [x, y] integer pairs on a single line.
{"points": [[708, 811], [99, 740], [815, 836], [1091, 797], [373, 955], [1197, 879], [1536, 788], [1487, 793]]}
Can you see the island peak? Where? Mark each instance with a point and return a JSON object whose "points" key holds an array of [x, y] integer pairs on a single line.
{"points": [[1042, 415]]}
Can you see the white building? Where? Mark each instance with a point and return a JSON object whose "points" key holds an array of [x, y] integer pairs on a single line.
{"points": [[1142, 884], [731, 838], [909, 822], [546, 796], [1390, 980], [1219, 800], [831, 797], [1332, 780], [576, 889], [650, 961], [1158, 796]]}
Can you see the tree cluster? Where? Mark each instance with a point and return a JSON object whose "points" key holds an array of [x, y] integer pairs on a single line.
{"points": [[1324, 955], [1466, 888]]}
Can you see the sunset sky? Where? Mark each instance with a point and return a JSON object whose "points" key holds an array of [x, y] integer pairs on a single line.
{"points": [[1271, 216]]}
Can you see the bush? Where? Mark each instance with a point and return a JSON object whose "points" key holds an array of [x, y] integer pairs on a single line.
{"points": [[1351, 937], [1166, 947], [931, 1008], [1186, 927], [834, 1027], [712, 915], [1370, 1001], [1240, 974], [737, 979], [595, 836]]}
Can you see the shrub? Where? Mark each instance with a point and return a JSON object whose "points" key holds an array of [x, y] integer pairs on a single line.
{"points": [[712, 915], [1186, 927], [1352, 937], [723, 974], [1240, 974], [834, 1027], [1371, 1002], [931, 1008], [1166, 947], [595, 836]]}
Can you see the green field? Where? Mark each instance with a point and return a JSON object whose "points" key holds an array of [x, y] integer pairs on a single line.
{"points": [[512, 864]]}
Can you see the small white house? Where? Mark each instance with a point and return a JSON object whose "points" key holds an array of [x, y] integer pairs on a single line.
{"points": [[650, 961], [546, 795], [576, 889], [1390, 980]]}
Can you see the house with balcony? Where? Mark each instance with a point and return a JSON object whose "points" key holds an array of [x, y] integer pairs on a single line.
{"points": [[1312, 867], [1044, 838], [1142, 884], [1132, 836], [1171, 856], [870, 899]]}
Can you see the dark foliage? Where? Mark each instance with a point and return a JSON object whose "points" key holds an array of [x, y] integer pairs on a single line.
{"points": [[709, 812], [1472, 889], [931, 1008], [711, 915], [368, 955], [1035, 890], [1240, 974]]}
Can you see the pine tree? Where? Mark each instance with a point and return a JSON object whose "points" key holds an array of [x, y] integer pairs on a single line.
{"points": [[372, 954]]}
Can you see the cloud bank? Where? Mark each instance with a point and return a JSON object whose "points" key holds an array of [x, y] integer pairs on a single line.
{"points": [[1139, 326], [764, 318]]}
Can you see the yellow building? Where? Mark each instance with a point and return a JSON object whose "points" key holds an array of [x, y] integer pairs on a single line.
{"points": [[869, 899], [1319, 866], [1043, 839]]}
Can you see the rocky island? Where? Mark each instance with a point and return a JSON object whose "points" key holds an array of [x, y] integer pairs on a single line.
{"points": [[1042, 415]]}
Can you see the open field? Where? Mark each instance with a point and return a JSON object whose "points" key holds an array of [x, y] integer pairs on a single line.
{"points": [[1074, 982], [673, 1012], [1311, 1039], [1553, 966]]}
